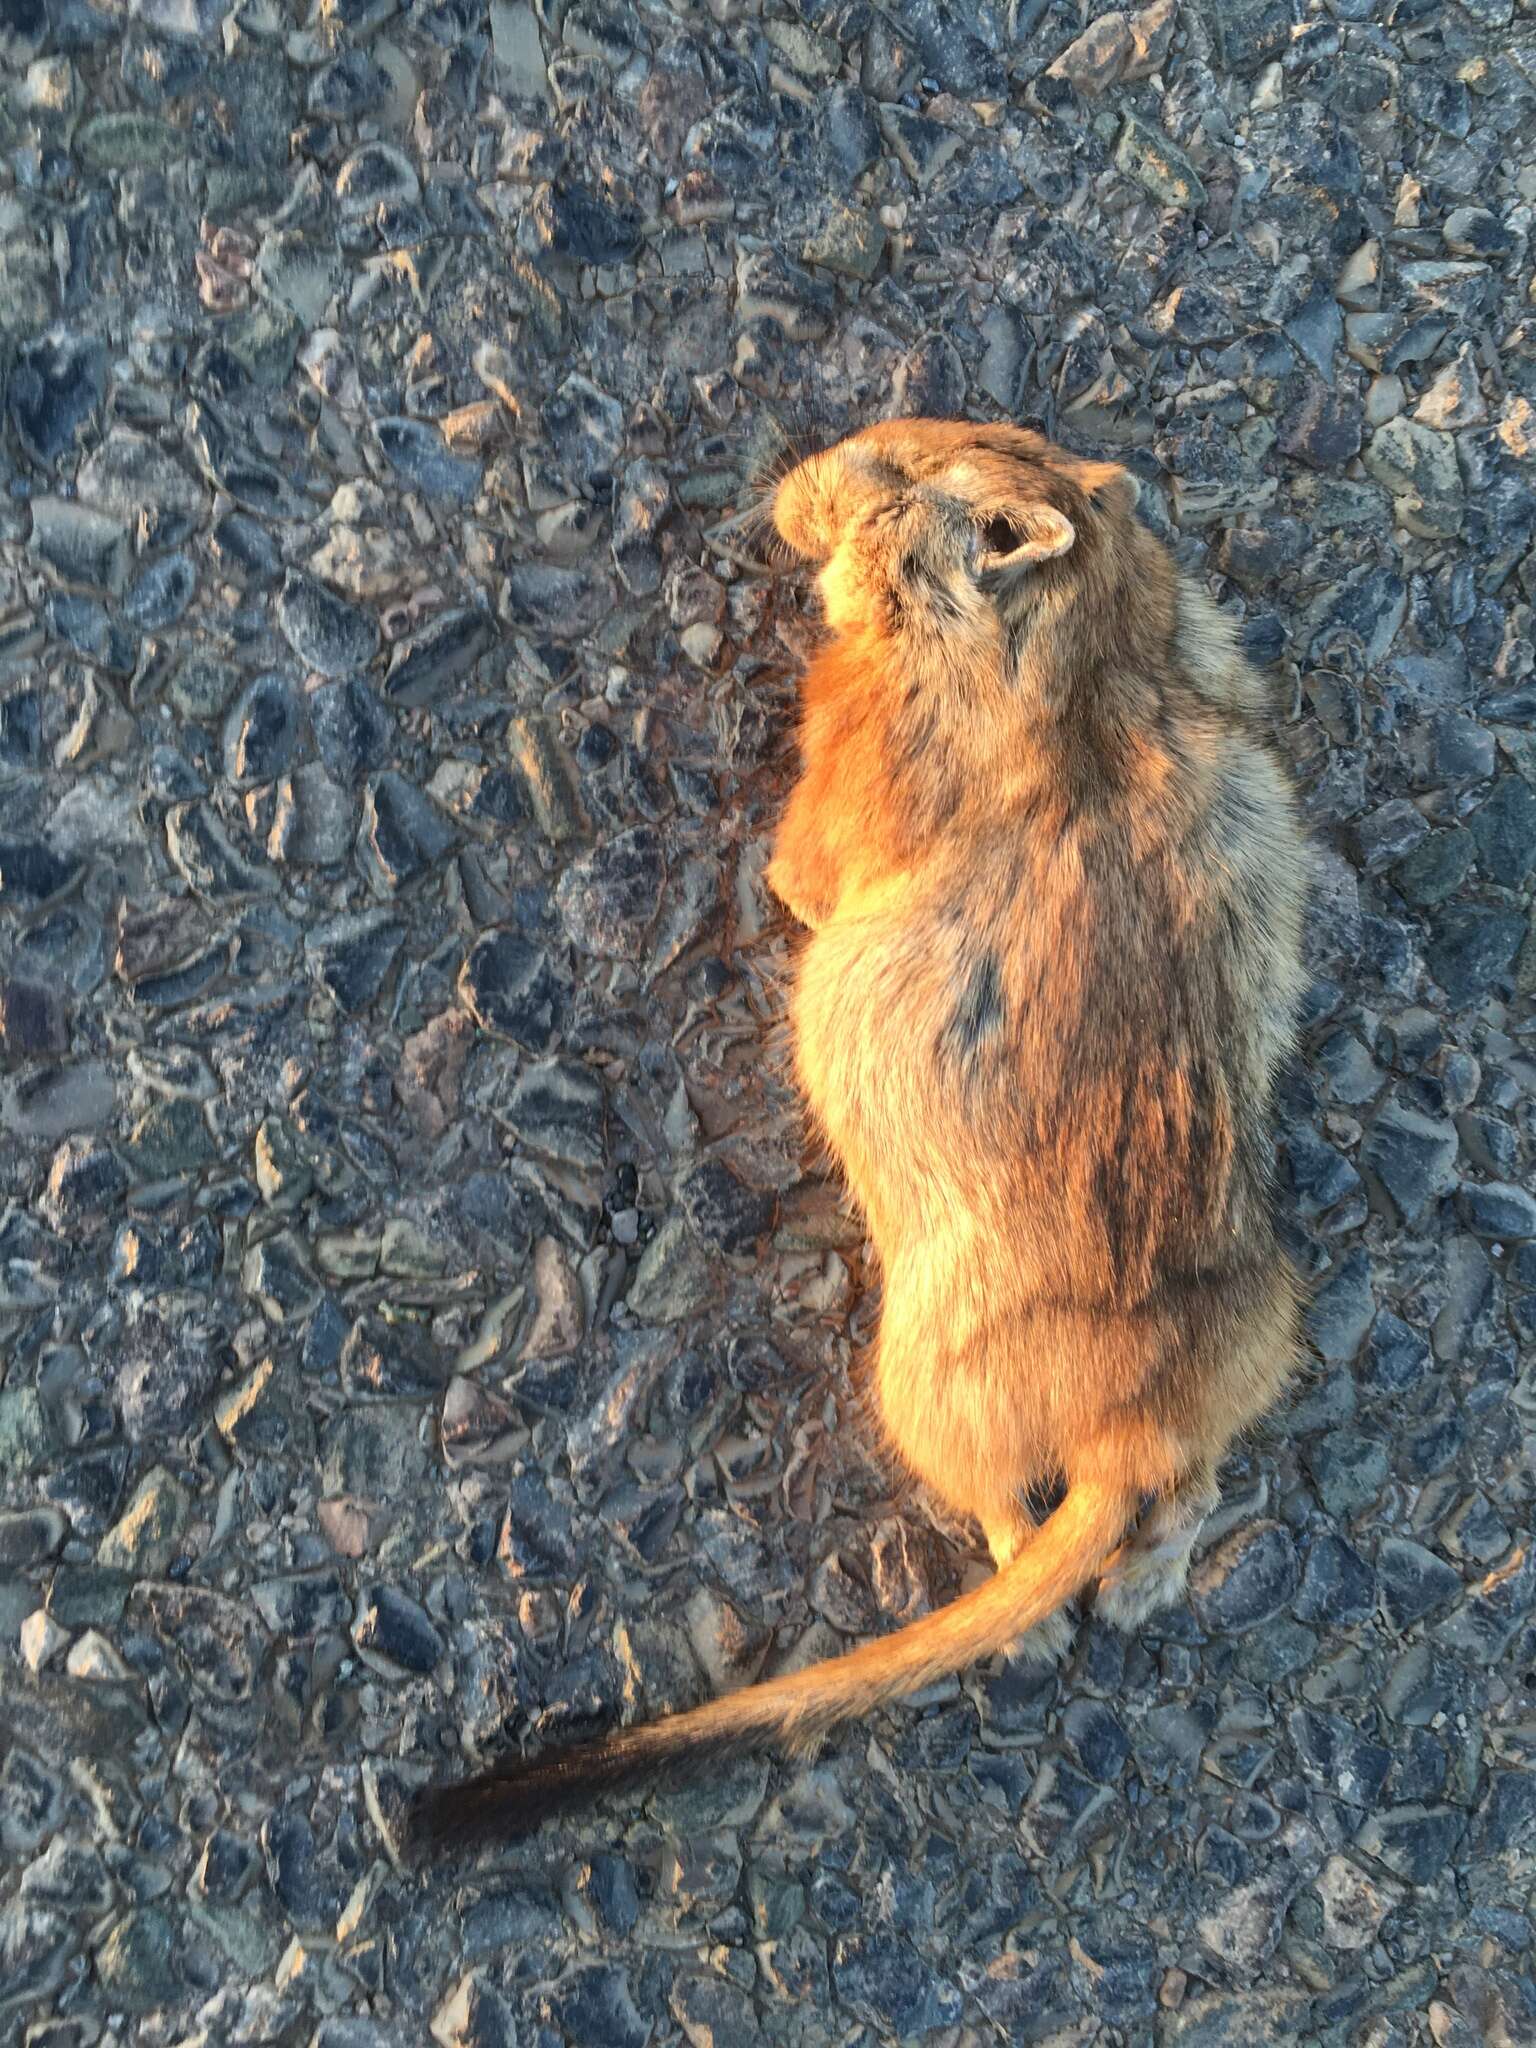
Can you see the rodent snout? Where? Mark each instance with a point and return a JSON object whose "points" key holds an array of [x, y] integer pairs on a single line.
{"points": [[803, 506]]}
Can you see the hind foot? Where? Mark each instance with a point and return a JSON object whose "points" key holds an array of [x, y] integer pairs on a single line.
{"points": [[1049, 1642], [1150, 1569], [1046, 1646]]}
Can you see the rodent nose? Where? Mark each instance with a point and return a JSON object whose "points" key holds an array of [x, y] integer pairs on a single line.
{"points": [[802, 508]]}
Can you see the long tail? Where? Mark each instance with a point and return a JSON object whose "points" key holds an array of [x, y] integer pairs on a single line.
{"points": [[1064, 1553]]}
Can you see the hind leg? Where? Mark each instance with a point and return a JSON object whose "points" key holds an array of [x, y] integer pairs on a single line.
{"points": [[1148, 1571]]}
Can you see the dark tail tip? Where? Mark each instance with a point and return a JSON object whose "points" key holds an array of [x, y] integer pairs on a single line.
{"points": [[513, 1800]]}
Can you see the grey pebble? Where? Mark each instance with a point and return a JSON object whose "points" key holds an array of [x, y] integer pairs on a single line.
{"points": [[325, 632]]}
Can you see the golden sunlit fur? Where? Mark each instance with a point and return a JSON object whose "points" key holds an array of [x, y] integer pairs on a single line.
{"points": [[1053, 880]]}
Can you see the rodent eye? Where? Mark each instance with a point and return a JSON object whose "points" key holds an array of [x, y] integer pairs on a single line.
{"points": [[999, 535]]}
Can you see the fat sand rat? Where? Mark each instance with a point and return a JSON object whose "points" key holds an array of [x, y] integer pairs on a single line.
{"points": [[1053, 880]]}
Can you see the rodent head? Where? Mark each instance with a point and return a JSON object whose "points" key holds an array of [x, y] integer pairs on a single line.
{"points": [[943, 527]]}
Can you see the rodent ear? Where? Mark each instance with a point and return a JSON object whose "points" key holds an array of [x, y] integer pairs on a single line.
{"points": [[1018, 540], [1110, 487]]}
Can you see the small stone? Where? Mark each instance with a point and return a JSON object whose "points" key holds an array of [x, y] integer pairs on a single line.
{"points": [[558, 1108], [351, 86], [1341, 1309], [276, 1273], [1472, 950], [511, 989], [299, 273], [1498, 1210], [547, 597], [923, 146], [33, 1022], [327, 634], [1097, 58], [32, 874], [1151, 33], [145, 1537], [1354, 1905], [1337, 1756], [518, 53], [253, 1417], [593, 2006], [641, 506], [352, 729], [1389, 832], [80, 545], [431, 1063], [24, 27], [396, 1630], [573, 225], [1438, 99], [41, 1640], [1504, 829], [85, 1182], [312, 820], [586, 430], [206, 858], [1454, 400], [163, 1370], [1246, 1580], [559, 1317], [403, 833], [1436, 867], [474, 2014], [890, 1986], [1410, 1157], [424, 664], [1338, 1587], [57, 384], [609, 897], [134, 479], [226, 1865], [136, 1964], [712, 2012], [30, 1536], [351, 955], [162, 594], [1322, 429], [1095, 1739], [673, 1278], [93, 1659], [929, 381], [1474, 232], [26, 1436], [376, 175], [1315, 326], [1349, 1469], [308, 1893], [1418, 465], [849, 243], [1252, 33], [1414, 1842], [1507, 1817], [724, 1210], [260, 731], [1146, 154], [851, 131], [415, 450], [1413, 1581]]}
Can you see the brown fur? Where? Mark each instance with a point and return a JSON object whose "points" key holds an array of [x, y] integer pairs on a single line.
{"points": [[1053, 879]]}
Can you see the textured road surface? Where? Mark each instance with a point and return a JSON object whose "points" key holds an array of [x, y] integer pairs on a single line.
{"points": [[424, 1330]]}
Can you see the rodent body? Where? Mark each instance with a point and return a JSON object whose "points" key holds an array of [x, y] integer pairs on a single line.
{"points": [[1054, 880], [1054, 884]]}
